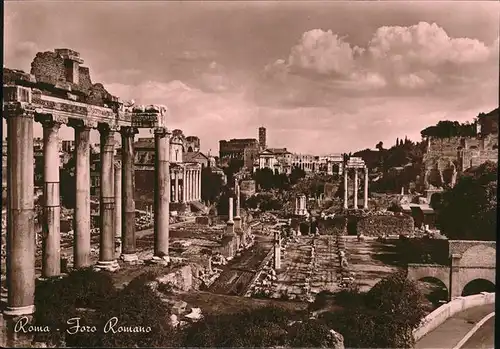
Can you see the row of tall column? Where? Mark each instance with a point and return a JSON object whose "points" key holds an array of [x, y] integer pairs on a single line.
{"points": [[117, 207], [346, 188], [189, 189]]}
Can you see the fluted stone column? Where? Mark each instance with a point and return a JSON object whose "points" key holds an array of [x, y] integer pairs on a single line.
{"points": [[230, 222], [365, 193], [162, 194], [355, 188], [237, 218], [118, 203], [193, 186], [81, 246], [21, 215], [199, 184], [188, 185], [184, 186], [277, 250], [107, 260], [296, 205], [128, 190], [51, 229], [346, 191], [176, 186]]}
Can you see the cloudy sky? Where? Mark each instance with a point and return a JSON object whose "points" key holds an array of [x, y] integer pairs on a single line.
{"points": [[322, 77]]}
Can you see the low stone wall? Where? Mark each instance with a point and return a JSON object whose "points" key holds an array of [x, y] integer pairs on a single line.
{"points": [[444, 312], [382, 224]]}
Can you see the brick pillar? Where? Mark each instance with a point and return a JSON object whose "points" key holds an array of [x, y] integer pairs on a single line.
{"points": [[21, 215], [162, 194], [81, 246], [51, 229], [107, 260]]}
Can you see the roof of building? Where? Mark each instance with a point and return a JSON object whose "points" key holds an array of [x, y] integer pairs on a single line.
{"points": [[191, 156]]}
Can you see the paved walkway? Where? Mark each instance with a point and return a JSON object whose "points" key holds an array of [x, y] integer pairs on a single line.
{"points": [[454, 329]]}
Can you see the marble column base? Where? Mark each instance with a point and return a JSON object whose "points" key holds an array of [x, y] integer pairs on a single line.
{"points": [[129, 258], [107, 266], [19, 311], [165, 260]]}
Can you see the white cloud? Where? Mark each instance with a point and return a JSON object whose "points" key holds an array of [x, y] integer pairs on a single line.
{"points": [[324, 53]]}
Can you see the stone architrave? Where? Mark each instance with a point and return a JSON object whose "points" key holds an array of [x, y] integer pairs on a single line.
{"points": [[128, 190], [51, 229], [162, 195], [107, 260], [21, 207], [81, 246]]}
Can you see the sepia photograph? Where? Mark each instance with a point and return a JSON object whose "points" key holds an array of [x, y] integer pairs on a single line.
{"points": [[249, 174]]}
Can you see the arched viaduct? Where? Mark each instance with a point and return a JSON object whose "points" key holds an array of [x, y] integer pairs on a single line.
{"points": [[468, 261]]}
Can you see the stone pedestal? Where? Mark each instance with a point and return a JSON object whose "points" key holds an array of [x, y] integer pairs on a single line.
{"points": [[81, 246], [21, 215], [162, 194], [51, 229], [107, 260], [128, 190]]}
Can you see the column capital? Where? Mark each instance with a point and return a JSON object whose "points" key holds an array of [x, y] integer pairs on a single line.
{"points": [[82, 124], [107, 128], [128, 131], [18, 109], [162, 131], [51, 120]]}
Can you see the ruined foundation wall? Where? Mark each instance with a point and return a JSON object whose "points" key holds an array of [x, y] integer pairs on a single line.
{"points": [[334, 226], [380, 225]]}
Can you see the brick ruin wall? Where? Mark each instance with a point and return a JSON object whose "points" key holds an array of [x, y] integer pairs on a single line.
{"points": [[380, 225], [443, 153], [49, 68]]}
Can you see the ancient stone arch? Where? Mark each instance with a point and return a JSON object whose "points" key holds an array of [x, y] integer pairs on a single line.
{"points": [[469, 261], [489, 283]]}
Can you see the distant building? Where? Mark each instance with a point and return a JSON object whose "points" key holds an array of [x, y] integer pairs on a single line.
{"points": [[444, 158], [246, 150], [262, 138], [276, 159]]}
